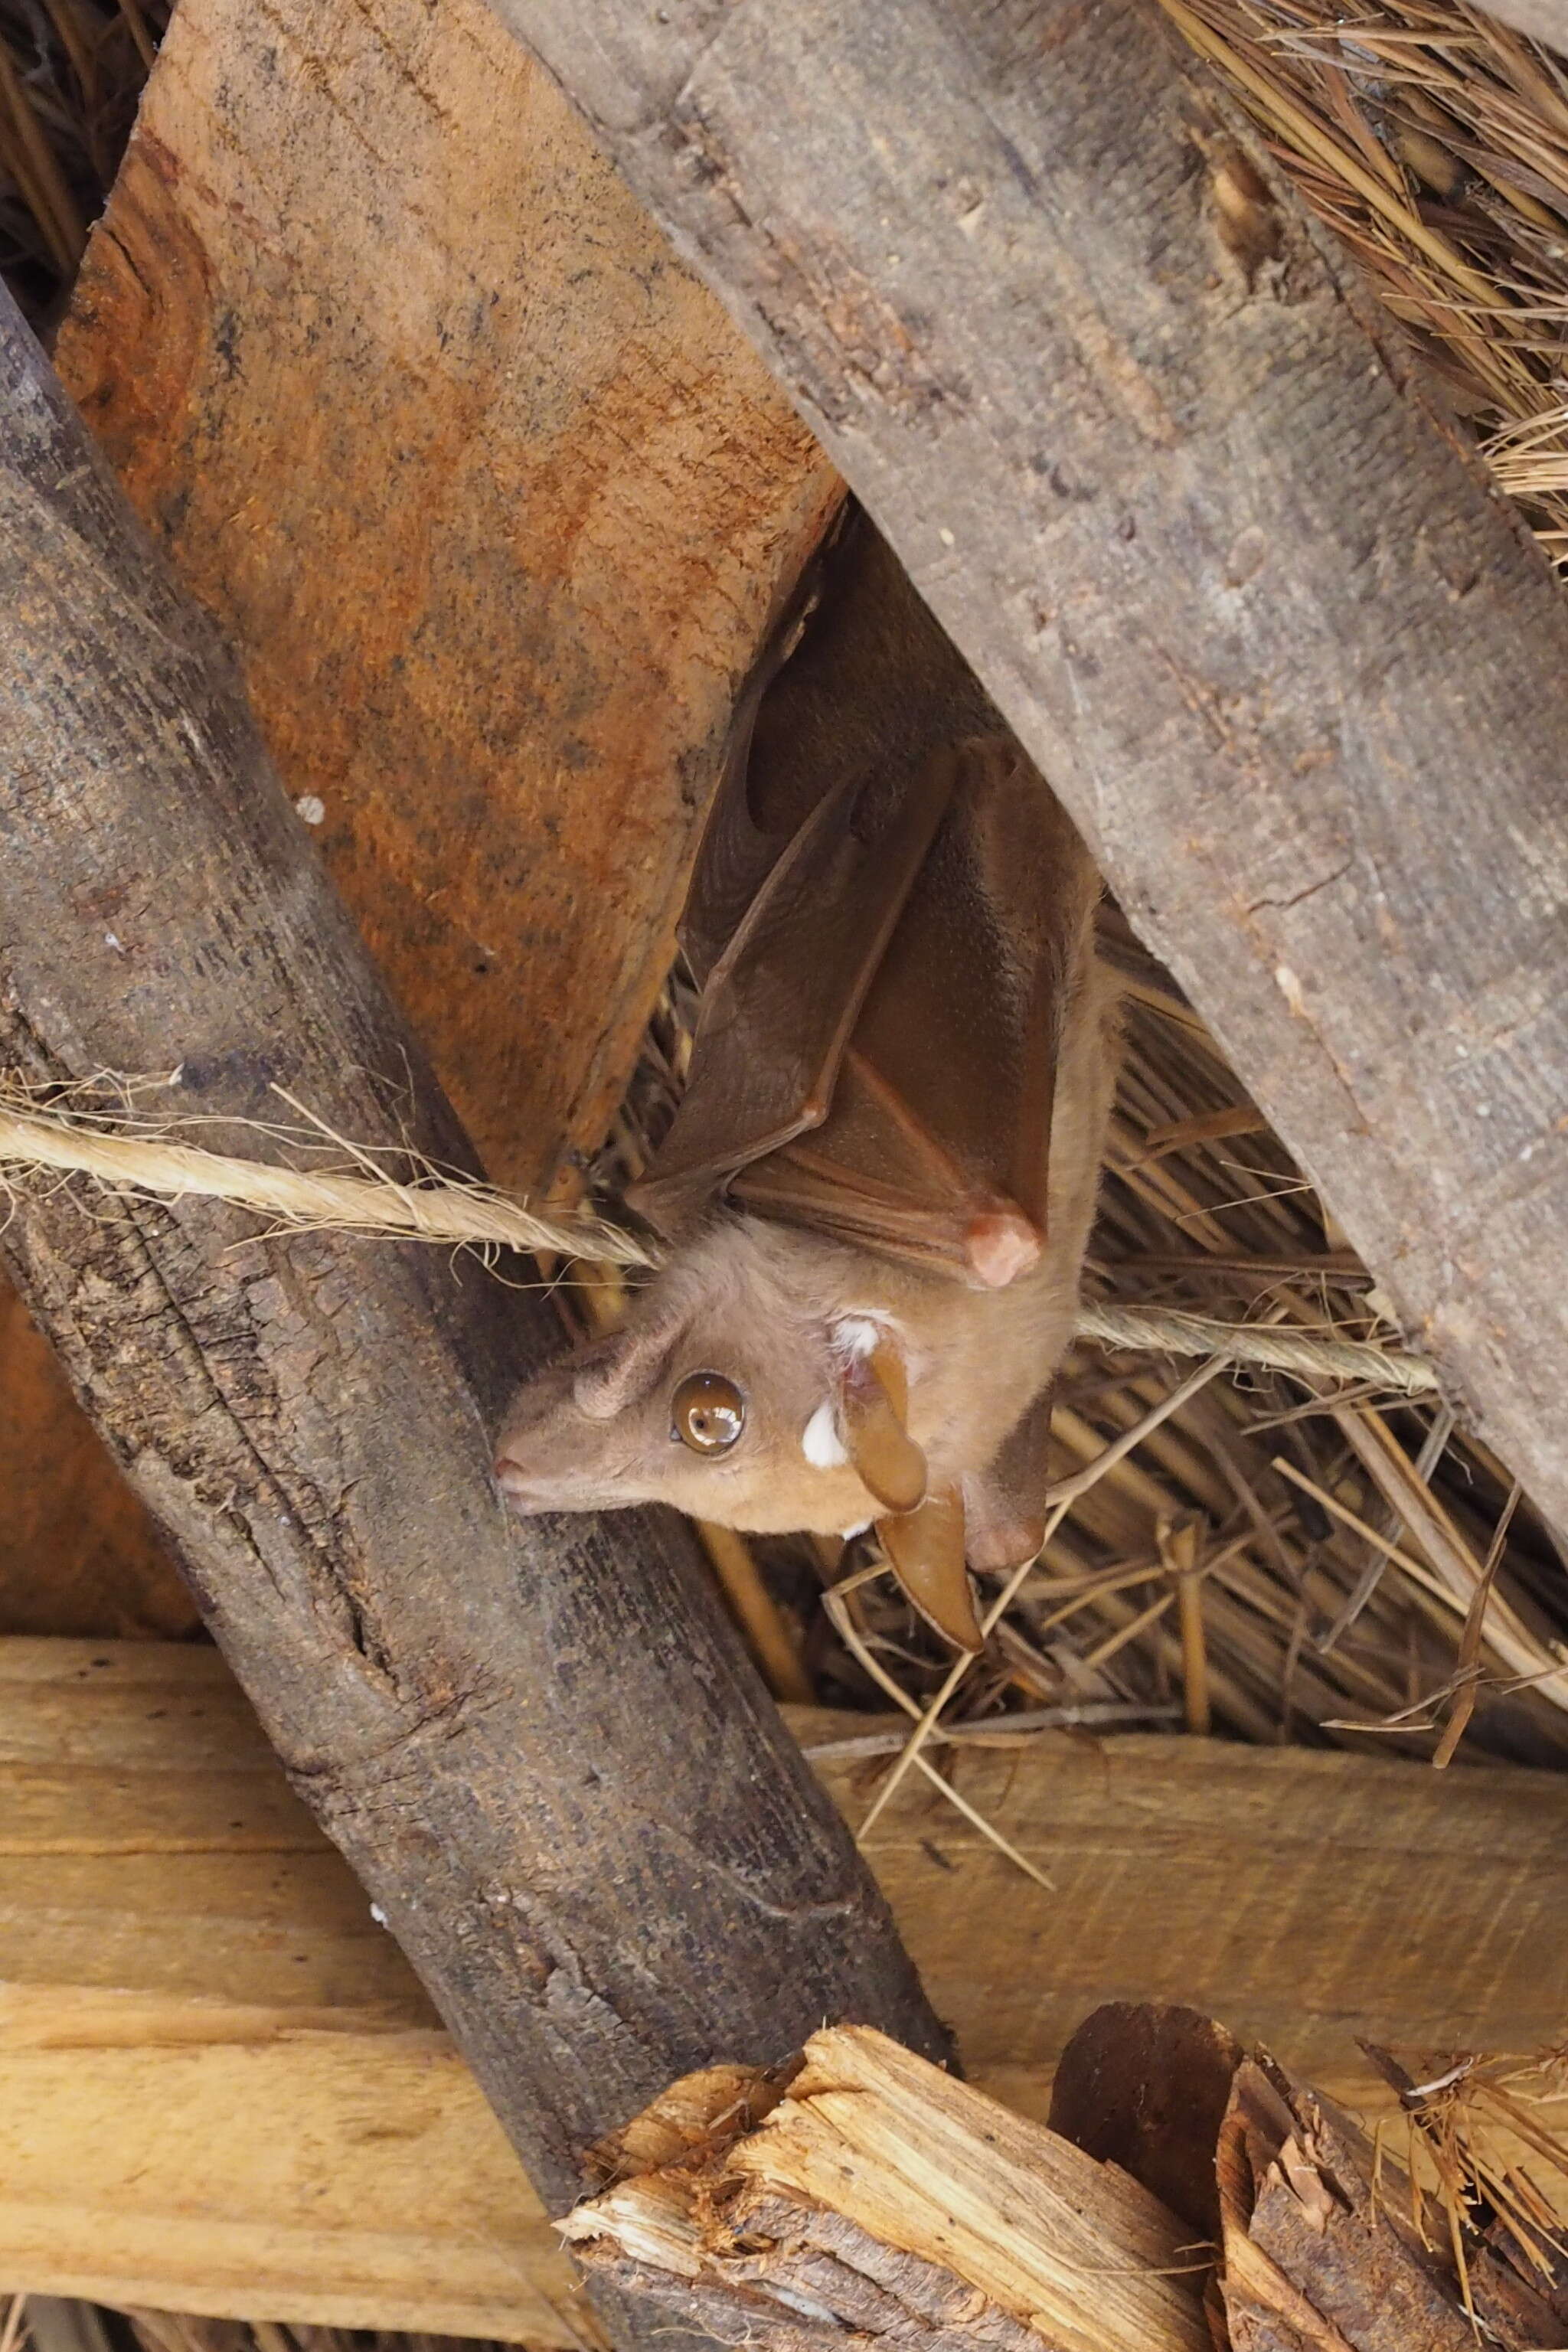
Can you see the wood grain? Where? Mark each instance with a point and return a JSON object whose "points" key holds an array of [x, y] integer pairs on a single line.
{"points": [[878, 2195], [492, 502], [174, 1931], [484, 489], [1175, 486], [542, 1748]]}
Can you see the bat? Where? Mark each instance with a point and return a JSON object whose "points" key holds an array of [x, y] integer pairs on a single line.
{"points": [[878, 1188]]}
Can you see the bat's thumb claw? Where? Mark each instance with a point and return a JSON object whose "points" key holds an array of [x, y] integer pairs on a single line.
{"points": [[999, 1245]]}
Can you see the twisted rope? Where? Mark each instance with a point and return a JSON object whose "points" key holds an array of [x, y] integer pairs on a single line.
{"points": [[461, 1214]]}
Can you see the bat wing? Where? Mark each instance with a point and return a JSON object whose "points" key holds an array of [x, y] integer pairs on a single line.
{"points": [[889, 917], [783, 997], [936, 1146], [749, 827]]}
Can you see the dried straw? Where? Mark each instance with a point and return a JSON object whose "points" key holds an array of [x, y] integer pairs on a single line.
{"points": [[1433, 142], [70, 74], [460, 1213]]}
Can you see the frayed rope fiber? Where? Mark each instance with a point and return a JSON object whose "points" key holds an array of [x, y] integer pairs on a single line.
{"points": [[467, 1214]]}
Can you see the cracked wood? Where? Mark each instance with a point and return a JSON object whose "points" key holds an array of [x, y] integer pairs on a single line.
{"points": [[1176, 488], [170, 1920], [541, 1747]]}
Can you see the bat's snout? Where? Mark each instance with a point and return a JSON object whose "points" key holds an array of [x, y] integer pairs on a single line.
{"points": [[538, 1462], [522, 1493]]}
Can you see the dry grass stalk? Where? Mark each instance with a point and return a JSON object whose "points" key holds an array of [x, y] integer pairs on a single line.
{"points": [[70, 75], [1490, 2136]]}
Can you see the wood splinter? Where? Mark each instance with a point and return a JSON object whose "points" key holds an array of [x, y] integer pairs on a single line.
{"points": [[1188, 2196]]}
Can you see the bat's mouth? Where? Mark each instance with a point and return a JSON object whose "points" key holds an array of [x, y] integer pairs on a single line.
{"points": [[522, 1493], [531, 1493]]}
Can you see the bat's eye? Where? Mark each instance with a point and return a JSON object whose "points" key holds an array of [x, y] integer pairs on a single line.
{"points": [[707, 1412]]}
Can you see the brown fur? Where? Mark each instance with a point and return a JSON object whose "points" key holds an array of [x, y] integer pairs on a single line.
{"points": [[985, 989], [758, 1302]]}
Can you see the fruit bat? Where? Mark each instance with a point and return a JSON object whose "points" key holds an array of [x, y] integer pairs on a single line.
{"points": [[878, 1188]]}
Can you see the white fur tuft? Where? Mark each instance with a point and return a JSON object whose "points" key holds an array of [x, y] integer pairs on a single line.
{"points": [[819, 1440], [856, 1334]]}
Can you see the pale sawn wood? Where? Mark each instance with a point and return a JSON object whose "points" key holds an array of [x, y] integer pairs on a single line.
{"points": [[171, 1919], [903, 2203]]}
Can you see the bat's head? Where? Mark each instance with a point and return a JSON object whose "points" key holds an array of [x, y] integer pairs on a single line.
{"points": [[755, 1383]]}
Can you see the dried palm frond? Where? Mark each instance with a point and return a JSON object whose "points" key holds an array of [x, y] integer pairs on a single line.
{"points": [[70, 75], [1433, 141]]}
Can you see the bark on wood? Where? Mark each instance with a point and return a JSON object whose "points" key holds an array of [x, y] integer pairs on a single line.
{"points": [[1172, 483], [491, 500], [1323, 2246], [540, 1747], [180, 1947]]}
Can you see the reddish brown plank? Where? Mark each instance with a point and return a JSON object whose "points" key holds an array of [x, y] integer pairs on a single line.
{"points": [[492, 501]]}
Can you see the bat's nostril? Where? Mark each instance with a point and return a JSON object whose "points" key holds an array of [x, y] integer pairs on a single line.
{"points": [[512, 1479]]}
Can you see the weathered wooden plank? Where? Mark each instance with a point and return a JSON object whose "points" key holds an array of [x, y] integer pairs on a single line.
{"points": [[543, 1749], [174, 1930], [1543, 20], [491, 500], [1170, 479], [483, 487]]}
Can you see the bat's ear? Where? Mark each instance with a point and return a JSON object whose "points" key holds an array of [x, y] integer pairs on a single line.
{"points": [[921, 1534], [873, 1398], [925, 1550], [619, 1370]]}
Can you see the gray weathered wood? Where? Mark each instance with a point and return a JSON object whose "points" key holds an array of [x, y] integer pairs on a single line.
{"points": [[1543, 20], [1165, 473], [541, 1747]]}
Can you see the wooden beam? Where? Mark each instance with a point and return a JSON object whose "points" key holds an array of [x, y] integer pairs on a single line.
{"points": [[180, 1946], [1180, 493], [492, 501], [1542, 20], [540, 1747]]}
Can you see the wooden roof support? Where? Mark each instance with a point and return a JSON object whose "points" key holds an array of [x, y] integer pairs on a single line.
{"points": [[1176, 487], [541, 1747], [1543, 20], [221, 2089]]}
